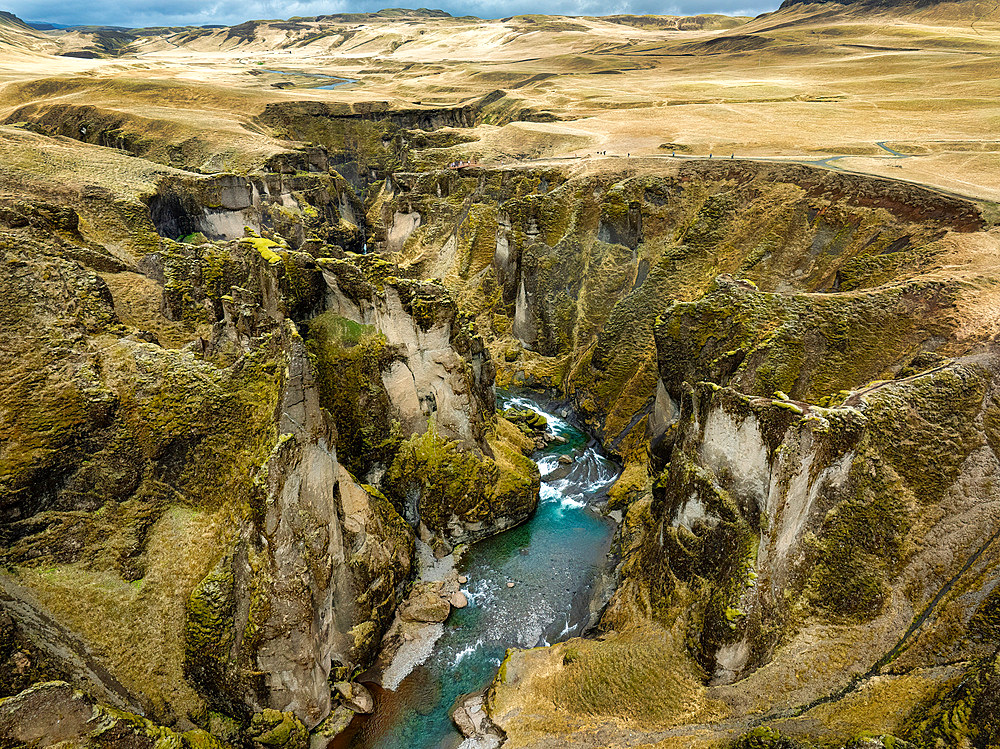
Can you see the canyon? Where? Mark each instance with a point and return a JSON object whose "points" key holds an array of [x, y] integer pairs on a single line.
{"points": [[299, 380]]}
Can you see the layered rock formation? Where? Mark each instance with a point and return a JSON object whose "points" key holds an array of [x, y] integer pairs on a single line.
{"points": [[225, 431], [798, 369], [195, 530]]}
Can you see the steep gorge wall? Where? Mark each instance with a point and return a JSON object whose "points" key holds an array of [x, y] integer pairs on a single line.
{"points": [[792, 364], [181, 533], [369, 141], [568, 276]]}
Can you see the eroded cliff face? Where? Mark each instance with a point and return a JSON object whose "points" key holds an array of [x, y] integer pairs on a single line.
{"points": [[188, 533], [566, 276], [798, 369], [780, 512], [411, 384], [313, 207]]}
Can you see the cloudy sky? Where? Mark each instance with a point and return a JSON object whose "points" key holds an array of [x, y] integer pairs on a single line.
{"points": [[178, 12]]}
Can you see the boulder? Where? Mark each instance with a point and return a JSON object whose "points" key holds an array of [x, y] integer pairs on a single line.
{"points": [[273, 729], [527, 418], [469, 716], [425, 605], [356, 697], [463, 721], [458, 600], [330, 728]]}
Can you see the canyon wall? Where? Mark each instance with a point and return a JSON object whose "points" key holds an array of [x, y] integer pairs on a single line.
{"points": [[798, 369], [194, 529]]}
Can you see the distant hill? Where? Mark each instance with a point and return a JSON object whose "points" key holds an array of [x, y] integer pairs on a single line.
{"points": [[9, 19], [19, 38], [400, 13], [928, 10], [46, 26], [678, 23], [873, 4]]}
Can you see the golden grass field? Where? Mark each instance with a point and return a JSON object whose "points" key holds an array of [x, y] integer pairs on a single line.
{"points": [[807, 83]]}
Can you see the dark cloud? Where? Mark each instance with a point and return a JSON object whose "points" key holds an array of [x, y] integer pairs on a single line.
{"points": [[182, 12]]}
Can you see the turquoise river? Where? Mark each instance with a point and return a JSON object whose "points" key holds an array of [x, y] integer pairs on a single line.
{"points": [[556, 562]]}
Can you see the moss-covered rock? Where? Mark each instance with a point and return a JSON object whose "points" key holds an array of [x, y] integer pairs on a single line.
{"points": [[965, 713], [460, 496], [209, 634], [350, 361], [808, 346], [272, 729], [53, 712]]}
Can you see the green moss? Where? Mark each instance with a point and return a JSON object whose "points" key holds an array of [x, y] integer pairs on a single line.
{"points": [[883, 741], [516, 493], [208, 631], [631, 484], [529, 420], [428, 303], [302, 285], [350, 359], [450, 481], [808, 346], [711, 223], [265, 248], [964, 713], [477, 239], [471, 487], [50, 417], [861, 542], [379, 570], [199, 739], [927, 426], [175, 404], [259, 607], [182, 289]]}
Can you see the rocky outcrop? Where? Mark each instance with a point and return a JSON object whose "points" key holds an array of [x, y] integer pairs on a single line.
{"points": [[209, 554], [286, 606], [316, 210], [470, 718], [305, 571], [425, 605], [54, 714], [771, 506], [409, 383], [566, 277]]}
